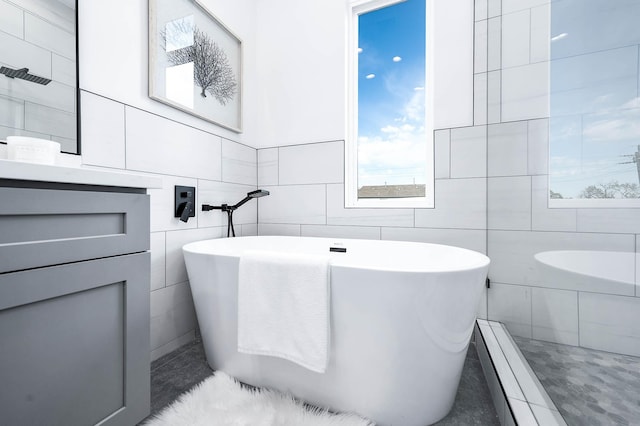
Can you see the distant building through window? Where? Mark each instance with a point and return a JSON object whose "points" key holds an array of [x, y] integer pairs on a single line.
{"points": [[391, 191]]}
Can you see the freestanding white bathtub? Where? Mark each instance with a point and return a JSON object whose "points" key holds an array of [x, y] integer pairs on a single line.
{"points": [[402, 315]]}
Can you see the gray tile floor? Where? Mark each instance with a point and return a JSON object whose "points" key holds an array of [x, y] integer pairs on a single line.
{"points": [[589, 387], [177, 372]]}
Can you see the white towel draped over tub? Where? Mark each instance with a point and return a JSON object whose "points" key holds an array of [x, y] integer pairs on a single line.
{"points": [[283, 307]]}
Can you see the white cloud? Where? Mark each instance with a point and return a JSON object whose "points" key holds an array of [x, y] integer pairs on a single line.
{"points": [[633, 103], [397, 154], [414, 109], [397, 59], [622, 124], [370, 76], [389, 129], [394, 161]]}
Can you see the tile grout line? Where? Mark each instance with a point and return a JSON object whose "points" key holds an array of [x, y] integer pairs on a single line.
{"points": [[578, 310]]}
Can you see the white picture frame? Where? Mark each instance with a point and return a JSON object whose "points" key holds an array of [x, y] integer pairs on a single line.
{"points": [[195, 62]]}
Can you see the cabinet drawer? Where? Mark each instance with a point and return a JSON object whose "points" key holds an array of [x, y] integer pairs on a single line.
{"points": [[42, 227], [75, 343]]}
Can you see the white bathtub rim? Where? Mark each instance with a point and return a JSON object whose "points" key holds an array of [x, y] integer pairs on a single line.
{"points": [[473, 259]]}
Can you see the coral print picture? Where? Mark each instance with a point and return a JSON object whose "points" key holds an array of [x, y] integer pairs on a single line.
{"points": [[195, 62]]}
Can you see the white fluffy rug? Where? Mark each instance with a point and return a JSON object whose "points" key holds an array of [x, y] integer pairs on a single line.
{"points": [[221, 401]]}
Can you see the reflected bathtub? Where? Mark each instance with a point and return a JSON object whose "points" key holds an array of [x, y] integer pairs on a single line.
{"points": [[610, 272], [402, 315]]}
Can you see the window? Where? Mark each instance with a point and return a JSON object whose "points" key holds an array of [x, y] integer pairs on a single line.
{"points": [[594, 136], [390, 139]]}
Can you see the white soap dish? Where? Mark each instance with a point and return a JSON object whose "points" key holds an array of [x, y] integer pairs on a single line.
{"points": [[32, 150]]}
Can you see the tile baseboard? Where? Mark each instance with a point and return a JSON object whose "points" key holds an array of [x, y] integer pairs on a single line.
{"points": [[518, 395]]}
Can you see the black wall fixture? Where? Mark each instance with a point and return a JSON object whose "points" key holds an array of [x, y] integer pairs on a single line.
{"points": [[230, 209], [185, 202], [23, 73]]}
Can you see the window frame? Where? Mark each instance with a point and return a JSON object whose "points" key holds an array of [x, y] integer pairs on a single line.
{"points": [[355, 9]]}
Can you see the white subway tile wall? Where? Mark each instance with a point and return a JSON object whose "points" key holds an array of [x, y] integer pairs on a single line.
{"points": [[449, 212], [172, 316], [334, 231], [538, 147], [312, 163], [294, 204], [507, 147], [279, 229], [494, 96], [494, 8], [510, 6], [510, 305], [481, 9], [44, 119], [174, 145], [480, 100], [176, 271], [442, 147], [480, 49], [158, 260], [540, 29], [268, 167], [51, 37], [509, 203], [468, 152], [494, 44], [515, 38], [619, 220], [11, 112], [247, 230], [239, 163], [63, 70], [11, 19], [525, 92], [104, 130], [554, 315], [610, 323], [472, 239]]}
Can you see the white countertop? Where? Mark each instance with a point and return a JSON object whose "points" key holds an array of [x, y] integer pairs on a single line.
{"points": [[16, 170]]}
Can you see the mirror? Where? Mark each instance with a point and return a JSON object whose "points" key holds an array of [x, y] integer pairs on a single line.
{"points": [[38, 71], [594, 137]]}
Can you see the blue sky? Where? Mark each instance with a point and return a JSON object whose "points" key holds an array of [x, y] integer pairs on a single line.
{"points": [[391, 77]]}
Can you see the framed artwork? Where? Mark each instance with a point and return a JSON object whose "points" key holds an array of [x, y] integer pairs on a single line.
{"points": [[195, 62]]}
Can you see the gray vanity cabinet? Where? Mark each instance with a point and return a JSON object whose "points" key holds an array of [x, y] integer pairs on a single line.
{"points": [[74, 304]]}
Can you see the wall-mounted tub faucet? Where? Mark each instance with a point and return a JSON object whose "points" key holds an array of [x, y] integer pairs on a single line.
{"points": [[230, 209], [184, 202]]}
